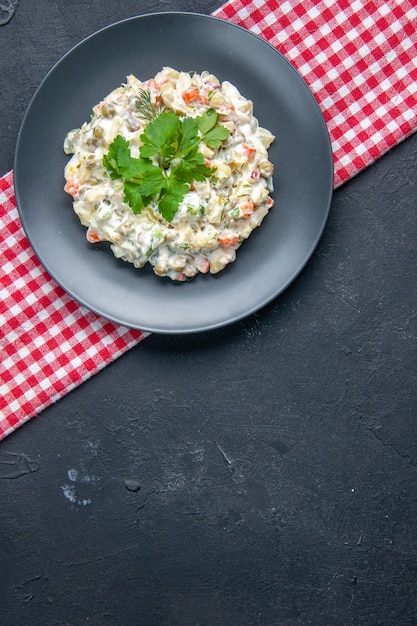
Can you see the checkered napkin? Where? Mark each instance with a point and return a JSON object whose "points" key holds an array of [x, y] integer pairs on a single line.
{"points": [[49, 344], [359, 58]]}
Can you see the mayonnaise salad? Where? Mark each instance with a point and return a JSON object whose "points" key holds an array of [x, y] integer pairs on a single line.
{"points": [[215, 215]]}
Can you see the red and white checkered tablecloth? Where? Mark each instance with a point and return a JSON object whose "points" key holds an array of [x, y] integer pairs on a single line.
{"points": [[359, 58], [49, 344]]}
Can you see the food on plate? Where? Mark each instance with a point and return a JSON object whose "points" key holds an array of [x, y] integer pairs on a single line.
{"points": [[172, 171]]}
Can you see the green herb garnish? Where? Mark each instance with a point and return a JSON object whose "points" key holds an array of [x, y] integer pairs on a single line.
{"points": [[147, 109], [168, 162]]}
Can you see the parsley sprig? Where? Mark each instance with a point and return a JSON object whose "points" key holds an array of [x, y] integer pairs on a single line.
{"points": [[169, 160]]}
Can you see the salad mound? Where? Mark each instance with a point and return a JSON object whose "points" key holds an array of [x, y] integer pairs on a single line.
{"points": [[172, 171]]}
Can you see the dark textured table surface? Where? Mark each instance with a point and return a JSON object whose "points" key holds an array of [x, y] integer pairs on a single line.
{"points": [[263, 474]]}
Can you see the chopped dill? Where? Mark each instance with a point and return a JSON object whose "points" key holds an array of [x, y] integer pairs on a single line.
{"points": [[149, 110]]}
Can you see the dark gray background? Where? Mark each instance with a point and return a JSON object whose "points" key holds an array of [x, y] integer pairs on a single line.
{"points": [[263, 474]]}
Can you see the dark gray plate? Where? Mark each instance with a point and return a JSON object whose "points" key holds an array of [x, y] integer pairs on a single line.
{"points": [[273, 255]]}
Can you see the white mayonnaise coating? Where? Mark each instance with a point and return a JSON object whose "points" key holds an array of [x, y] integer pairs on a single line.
{"points": [[215, 216]]}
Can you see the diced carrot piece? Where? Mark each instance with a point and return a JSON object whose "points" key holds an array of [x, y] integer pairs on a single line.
{"points": [[227, 239], [270, 203], [248, 150], [72, 188], [93, 236], [247, 209], [191, 95]]}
